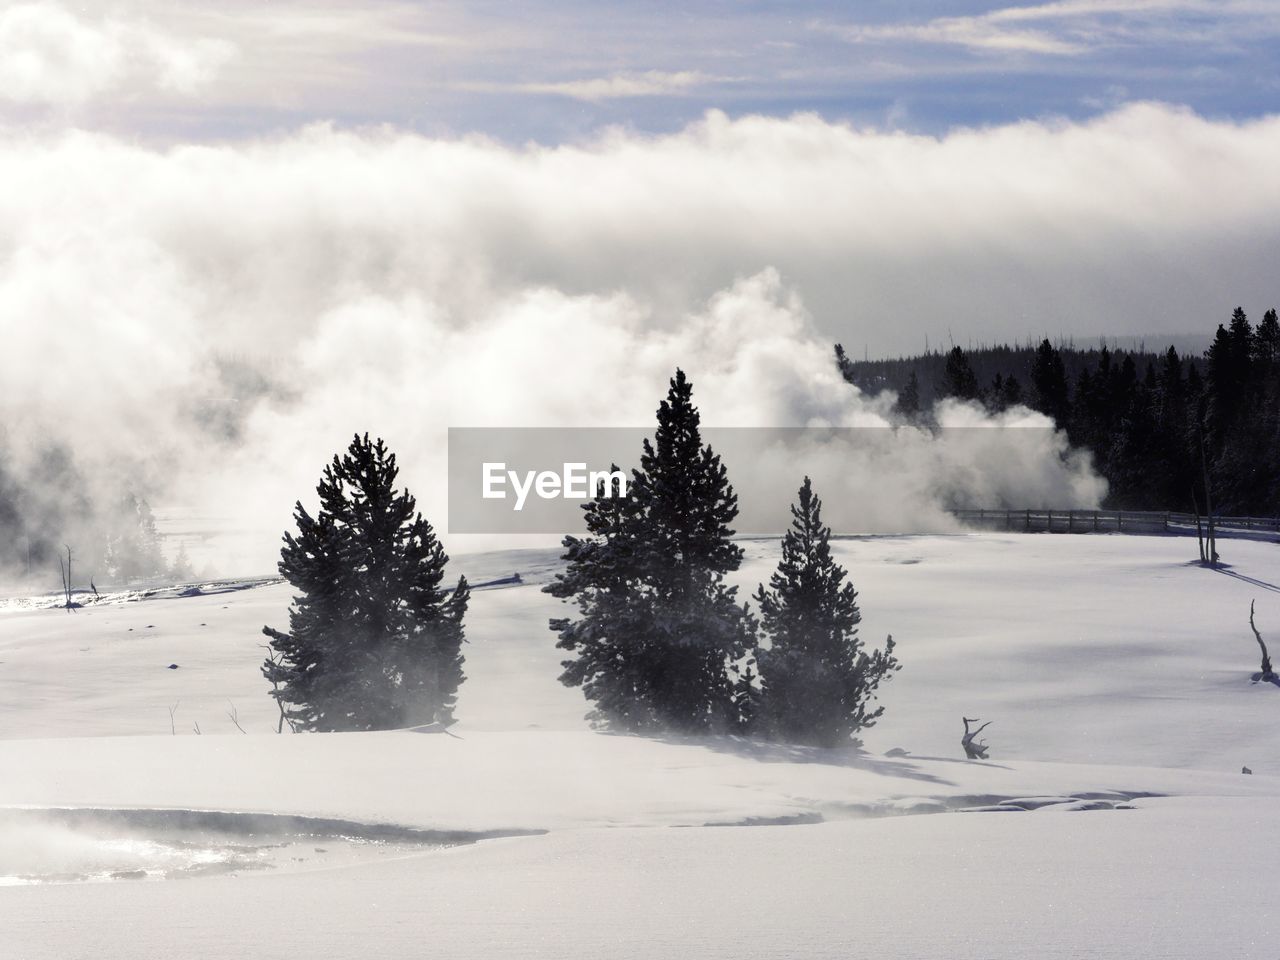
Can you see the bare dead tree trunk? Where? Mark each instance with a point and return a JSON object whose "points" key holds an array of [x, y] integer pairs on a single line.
{"points": [[1195, 502], [974, 749], [172, 727], [1268, 674], [66, 580], [1208, 497]]}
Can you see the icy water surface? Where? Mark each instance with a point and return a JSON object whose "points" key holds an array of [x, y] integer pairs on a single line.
{"points": [[80, 846]]}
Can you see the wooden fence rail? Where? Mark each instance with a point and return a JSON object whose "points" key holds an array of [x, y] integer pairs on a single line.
{"points": [[1115, 521]]}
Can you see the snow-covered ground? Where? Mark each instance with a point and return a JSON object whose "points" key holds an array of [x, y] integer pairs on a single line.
{"points": [[1117, 675]]}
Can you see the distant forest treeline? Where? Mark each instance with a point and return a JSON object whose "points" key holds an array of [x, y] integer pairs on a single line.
{"points": [[49, 508], [50, 500], [1155, 423]]}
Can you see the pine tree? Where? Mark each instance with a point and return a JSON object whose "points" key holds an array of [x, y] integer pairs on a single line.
{"points": [[181, 569], [1012, 394], [132, 550], [818, 680], [373, 642], [1266, 342], [1242, 336], [843, 363], [995, 393], [959, 380], [661, 642], [1005, 392], [1224, 384], [908, 402]]}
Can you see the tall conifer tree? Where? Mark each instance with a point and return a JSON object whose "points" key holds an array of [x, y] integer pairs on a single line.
{"points": [[818, 678], [373, 642], [661, 642], [958, 379]]}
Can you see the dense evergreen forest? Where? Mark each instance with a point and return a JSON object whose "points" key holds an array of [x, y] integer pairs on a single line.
{"points": [[49, 499], [1156, 423], [49, 506]]}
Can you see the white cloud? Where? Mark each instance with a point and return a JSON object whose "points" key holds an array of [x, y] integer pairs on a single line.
{"points": [[978, 33], [50, 55], [1069, 27], [650, 83], [401, 284]]}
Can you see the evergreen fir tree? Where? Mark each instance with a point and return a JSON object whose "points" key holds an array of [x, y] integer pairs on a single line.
{"points": [[959, 380], [132, 550], [1005, 392], [661, 642], [1266, 343], [1242, 336], [1195, 383], [1223, 384], [374, 642], [995, 393], [1012, 395], [843, 363], [818, 680], [908, 403], [1170, 377], [1083, 428], [1049, 392], [181, 569]]}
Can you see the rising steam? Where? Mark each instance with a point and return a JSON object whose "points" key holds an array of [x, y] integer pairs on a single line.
{"points": [[206, 326]]}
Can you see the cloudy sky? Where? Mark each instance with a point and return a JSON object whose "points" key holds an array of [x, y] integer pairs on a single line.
{"points": [[957, 170], [556, 71], [323, 217]]}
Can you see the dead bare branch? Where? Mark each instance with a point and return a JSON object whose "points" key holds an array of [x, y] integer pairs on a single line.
{"points": [[974, 749], [1268, 674], [172, 710], [66, 580], [275, 690], [234, 716]]}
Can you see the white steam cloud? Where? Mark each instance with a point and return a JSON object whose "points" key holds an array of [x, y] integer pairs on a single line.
{"points": [[50, 55], [324, 283]]}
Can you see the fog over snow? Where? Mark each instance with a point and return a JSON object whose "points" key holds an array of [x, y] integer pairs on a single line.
{"points": [[230, 236], [233, 234], [320, 282]]}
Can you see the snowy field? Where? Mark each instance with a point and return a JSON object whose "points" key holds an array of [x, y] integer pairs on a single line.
{"points": [[1116, 674]]}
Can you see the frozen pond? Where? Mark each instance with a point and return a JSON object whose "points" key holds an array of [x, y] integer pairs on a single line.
{"points": [[39, 846]]}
